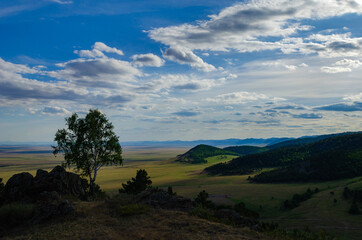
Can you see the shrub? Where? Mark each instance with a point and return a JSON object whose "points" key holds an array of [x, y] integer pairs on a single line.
{"points": [[97, 194], [243, 211], [170, 191], [202, 201], [204, 213], [15, 213], [138, 184]]}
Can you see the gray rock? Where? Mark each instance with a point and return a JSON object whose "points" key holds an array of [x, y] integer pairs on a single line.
{"points": [[18, 187], [24, 187]]}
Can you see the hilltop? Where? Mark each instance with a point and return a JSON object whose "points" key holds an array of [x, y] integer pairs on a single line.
{"points": [[200, 152]]}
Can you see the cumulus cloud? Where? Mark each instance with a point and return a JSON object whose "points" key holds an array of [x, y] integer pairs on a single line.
{"points": [[243, 25], [344, 65], [50, 110], [98, 72], [186, 56], [353, 98], [148, 59], [98, 50], [335, 69], [238, 97], [290, 107], [15, 68], [179, 82]]}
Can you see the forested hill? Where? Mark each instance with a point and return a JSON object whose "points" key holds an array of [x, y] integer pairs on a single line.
{"points": [[200, 152], [287, 156], [245, 150], [304, 140]]}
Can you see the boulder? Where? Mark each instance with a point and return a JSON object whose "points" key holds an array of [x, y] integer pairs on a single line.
{"points": [[24, 187], [61, 181], [18, 187]]}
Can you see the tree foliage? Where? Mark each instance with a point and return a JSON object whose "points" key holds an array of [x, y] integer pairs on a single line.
{"points": [[138, 184], [88, 144]]}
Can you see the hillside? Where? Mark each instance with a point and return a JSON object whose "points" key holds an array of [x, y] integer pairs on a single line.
{"points": [[346, 145], [245, 150], [303, 140], [200, 152]]}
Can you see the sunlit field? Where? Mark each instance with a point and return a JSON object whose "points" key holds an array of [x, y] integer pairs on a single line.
{"points": [[320, 212]]}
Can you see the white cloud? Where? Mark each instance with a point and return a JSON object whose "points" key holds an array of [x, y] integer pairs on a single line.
{"points": [[353, 98], [335, 69], [175, 82], [148, 59], [98, 50], [16, 68], [50, 110], [240, 26], [98, 72], [186, 56], [238, 97], [344, 65], [61, 2]]}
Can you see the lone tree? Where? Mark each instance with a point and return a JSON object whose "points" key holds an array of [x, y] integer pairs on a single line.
{"points": [[88, 143]]}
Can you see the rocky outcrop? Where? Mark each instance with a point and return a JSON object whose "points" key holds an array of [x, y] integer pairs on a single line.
{"points": [[60, 181], [18, 187], [24, 187]]}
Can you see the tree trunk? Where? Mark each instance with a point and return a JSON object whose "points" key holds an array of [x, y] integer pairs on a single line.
{"points": [[91, 186]]}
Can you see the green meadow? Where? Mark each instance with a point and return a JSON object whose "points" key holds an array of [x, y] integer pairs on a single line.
{"points": [[325, 210]]}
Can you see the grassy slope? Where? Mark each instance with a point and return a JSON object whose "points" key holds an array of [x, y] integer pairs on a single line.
{"points": [[187, 181], [94, 221]]}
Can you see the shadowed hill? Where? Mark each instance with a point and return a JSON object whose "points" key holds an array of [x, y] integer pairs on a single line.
{"points": [[200, 152], [304, 140], [344, 146], [245, 150]]}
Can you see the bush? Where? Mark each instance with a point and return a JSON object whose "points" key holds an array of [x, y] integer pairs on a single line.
{"points": [[98, 193], [243, 211], [202, 201], [15, 213], [201, 212], [138, 184], [170, 191]]}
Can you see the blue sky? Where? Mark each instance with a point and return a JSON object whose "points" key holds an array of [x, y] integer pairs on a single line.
{"points": [[181, 70]]}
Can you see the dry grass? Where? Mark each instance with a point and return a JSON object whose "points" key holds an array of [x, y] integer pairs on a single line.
{"points": [[93, 220]]}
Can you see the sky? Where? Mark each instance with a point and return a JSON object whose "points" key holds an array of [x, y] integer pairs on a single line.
{"points": [[181, 70]]}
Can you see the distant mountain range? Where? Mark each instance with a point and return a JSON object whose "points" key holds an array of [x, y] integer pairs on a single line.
{"points": [[217, 143], [173, 143]]}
